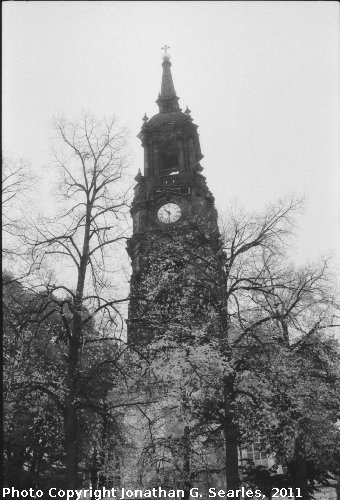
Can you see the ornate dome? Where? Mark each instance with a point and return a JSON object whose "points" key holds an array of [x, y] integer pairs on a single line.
{"points": [[169, 117], [169, 110]]}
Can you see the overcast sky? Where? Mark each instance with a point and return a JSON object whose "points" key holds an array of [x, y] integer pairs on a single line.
{"points": [[261, 80]]}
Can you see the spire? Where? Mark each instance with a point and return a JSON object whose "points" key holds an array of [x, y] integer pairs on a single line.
{"points": [[167, 99]]}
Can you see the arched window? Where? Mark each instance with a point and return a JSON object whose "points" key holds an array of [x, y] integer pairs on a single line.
{"points": [[169, 158]]}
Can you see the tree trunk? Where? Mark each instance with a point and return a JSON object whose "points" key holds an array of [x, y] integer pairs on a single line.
{"points": [[70, 415], [337, 486], [94, 470], [70, 411], [186, 463], [230, 423], [102, 479], [117, 474], [231, 436], [71, 443], [298, 473]]}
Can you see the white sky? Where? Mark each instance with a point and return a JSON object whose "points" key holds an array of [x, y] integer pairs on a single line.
{"points": [[261, 80]]}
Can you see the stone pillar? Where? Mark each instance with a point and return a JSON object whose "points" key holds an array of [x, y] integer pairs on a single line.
{"points": [[192, 159], [186, 156], [180, 155], [155, 162], [146, 160], [150, 159]]}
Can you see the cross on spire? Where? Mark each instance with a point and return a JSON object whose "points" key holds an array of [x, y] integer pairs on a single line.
{"points": [[167, 99], [165, 48]]}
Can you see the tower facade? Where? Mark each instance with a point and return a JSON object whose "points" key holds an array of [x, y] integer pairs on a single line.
{"points": [[171, 200]]}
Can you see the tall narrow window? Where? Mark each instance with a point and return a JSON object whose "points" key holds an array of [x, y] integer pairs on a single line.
{"points": [[169, 159]]}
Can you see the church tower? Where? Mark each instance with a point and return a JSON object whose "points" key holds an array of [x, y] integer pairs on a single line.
{"points": [[171, 197]]}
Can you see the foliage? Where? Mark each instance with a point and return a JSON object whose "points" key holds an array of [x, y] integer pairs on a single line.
{"points": [[252, 332]]}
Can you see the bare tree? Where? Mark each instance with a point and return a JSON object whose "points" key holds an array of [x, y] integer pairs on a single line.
{"points": [[17, 184], [80, 244], [259, 291], [235, 273]]}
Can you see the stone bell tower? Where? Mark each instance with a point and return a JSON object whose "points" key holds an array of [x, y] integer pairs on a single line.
{"points": [[171, 196]]}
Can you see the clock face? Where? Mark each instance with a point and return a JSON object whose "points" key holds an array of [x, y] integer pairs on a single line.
{"points": [[168, 213]]}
